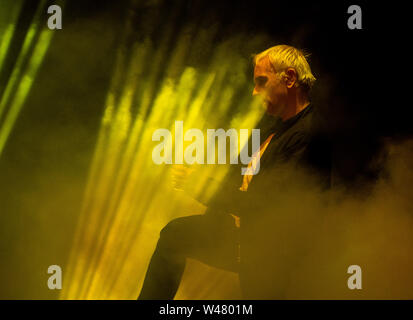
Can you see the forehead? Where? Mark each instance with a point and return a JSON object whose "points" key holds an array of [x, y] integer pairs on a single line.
{"points": [[263, 67]]}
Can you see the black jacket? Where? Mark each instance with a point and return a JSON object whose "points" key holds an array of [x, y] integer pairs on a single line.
{"points": [[298, 146]]}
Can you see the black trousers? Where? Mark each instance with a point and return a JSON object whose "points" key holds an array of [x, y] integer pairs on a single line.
{"points": [[210, 238]]}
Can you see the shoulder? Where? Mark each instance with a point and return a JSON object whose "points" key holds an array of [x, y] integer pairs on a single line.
{"points": [[304, 140], [300, 134]]}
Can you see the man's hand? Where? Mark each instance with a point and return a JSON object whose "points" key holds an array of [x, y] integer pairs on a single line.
{"points": [[180, 175]]}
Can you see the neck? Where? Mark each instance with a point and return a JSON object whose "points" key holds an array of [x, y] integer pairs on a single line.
{"points": [[294, 105]]}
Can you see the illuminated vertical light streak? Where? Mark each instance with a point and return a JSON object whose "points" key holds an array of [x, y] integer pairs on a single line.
{"points": [[160, 54], [151, 201], [124, 107], [170, 108], [166, 115], [128, 160], [77, 261], [165, 102], [94, 256], [26, 78], [98, 184], [7, 31], [18, 69]]}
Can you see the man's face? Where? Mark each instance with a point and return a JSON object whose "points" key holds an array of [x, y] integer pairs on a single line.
{"points": [[271, 88]]}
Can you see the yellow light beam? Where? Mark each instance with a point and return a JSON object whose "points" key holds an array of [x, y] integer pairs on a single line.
{"points": [[9, 18], [25, 82]]}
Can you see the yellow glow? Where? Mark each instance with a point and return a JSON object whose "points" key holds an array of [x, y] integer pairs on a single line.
{"points": [[128, 198], [21, 79], [8, 20]]}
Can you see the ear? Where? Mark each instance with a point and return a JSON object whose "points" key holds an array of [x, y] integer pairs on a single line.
{"points": [[290, 77]]}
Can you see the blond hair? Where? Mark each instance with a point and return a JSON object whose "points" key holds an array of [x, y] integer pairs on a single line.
{"points": [[283, 57]]}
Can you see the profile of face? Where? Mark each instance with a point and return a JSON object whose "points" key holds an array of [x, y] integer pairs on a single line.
{"points": [[270, 86]]}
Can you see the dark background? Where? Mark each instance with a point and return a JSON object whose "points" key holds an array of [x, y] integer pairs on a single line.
{"points": [[359, 72]]}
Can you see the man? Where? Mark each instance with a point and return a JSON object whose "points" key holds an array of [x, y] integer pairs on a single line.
{"points": [[283, 79]]}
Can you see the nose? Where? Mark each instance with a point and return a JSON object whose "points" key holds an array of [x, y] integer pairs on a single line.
{"points": [[255, 91]]}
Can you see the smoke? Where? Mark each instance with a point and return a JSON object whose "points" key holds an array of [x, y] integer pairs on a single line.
{"points": [[303, 242], [374, 232]]}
